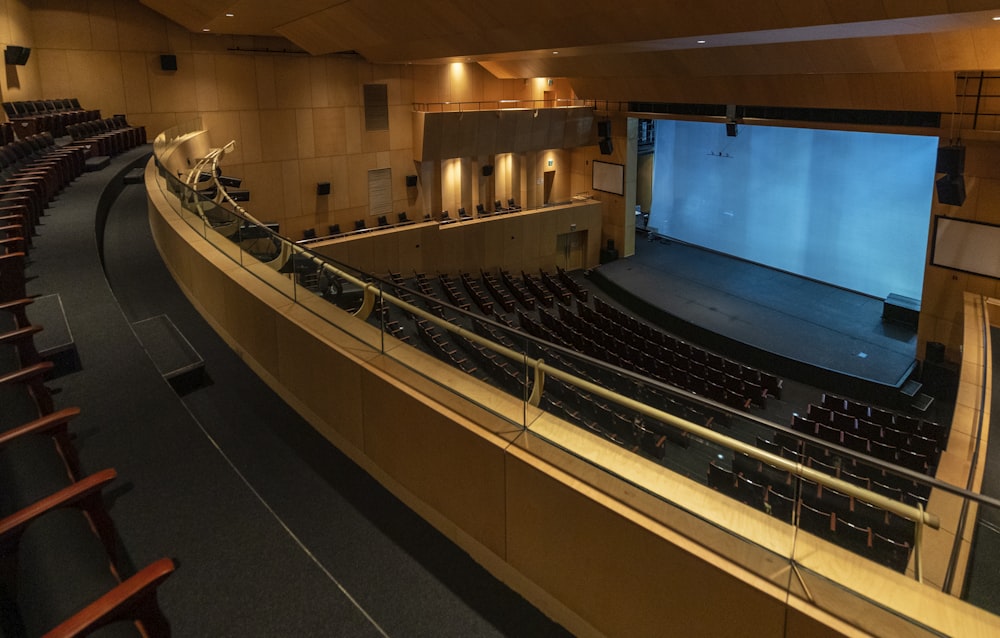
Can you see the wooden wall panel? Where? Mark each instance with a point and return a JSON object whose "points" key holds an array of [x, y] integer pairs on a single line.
{"points": [[235, 82], [278, 134], [342, 409], [291, 81]]}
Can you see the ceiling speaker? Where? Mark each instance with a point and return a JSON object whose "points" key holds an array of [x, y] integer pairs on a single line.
{"points": [[168, 62]]}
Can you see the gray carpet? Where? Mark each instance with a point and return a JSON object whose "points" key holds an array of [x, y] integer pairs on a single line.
{"points": [[274, 531]]}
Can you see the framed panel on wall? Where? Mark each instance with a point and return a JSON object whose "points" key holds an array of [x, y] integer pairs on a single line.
{"points": [[609, 178], [967, 246]]}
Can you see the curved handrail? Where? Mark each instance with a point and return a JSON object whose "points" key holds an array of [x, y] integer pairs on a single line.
{"points": [[373, 291], [956, 547]]}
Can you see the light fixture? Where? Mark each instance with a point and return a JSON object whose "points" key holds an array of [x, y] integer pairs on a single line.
{"points": [[206, 29], [701, 41], [555, 53], [996, 18], [229, 15]]}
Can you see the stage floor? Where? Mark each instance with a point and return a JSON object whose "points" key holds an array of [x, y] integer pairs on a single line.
{"points": [[792, 322]]}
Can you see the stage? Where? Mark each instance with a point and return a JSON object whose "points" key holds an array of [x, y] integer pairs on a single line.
{"points": [[797, 328]]}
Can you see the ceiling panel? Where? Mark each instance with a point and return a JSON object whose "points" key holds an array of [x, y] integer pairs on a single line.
{"points": [[628, 45]]}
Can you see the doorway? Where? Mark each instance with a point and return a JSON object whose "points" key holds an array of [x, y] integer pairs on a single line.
{"points": [[550, 178], [571, 250]]}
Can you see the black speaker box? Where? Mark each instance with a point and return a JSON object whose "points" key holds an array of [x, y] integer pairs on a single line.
{"points": [[604, 128], [411, 181], [951, 190], [323, 188], [935, 352], [606, 146], [951, 160], [168, 62], [732, 130], [487, 170], [16, 55]]}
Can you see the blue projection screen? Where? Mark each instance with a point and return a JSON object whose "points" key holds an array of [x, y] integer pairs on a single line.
{"points": [[846, 208]]}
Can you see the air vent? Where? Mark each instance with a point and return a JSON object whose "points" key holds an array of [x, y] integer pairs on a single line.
{"points": [[376, 107]]}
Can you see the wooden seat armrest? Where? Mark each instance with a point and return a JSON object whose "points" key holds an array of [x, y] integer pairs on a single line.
{"points": [[21, 334], [55, 423], [12, 218], [15, 243], [28, 373], [16, 304], [87, 487], [118, 604]]}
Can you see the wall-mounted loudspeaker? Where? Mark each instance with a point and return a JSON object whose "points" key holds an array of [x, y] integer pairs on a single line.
{"points": [[606, 146], [411, 181], [951, 160], [323, 188], [16, 55], [487, 170], [604, 128], [951, 190], [731, 129], [168, 62]]}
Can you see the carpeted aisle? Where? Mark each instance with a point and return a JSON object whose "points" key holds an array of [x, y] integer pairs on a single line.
{"points": [[274, 531]]}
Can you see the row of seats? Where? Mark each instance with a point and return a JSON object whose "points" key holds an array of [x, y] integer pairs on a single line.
{"points": [[867, 475], [851, 523], [110, 136], [911, 451], [63, 571], [36, 116], [32, 171], [843, 409], [595, 335], [382, 221], [644, 337], [360, 225]]}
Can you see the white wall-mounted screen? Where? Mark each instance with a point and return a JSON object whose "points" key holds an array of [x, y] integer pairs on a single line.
{"points": [[609, 177], [968, 246], [847, 208]]}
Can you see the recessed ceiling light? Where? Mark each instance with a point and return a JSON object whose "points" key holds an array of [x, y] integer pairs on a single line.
{"points": [[229, 15], [997, 18], [701, 41], [555, 53]]}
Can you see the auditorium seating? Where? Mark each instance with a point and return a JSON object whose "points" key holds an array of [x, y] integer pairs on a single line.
{"points": [[30, 117], [62, 572], [600, 331], [109, 136]]}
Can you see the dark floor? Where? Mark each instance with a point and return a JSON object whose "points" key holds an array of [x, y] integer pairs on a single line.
{"points": [[275, 532], [804, 329]]}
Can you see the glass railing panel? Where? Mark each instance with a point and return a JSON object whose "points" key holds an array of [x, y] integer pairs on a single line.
{"points": [[629, 426], [661, 440], [182, 200], [485, 358]]}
